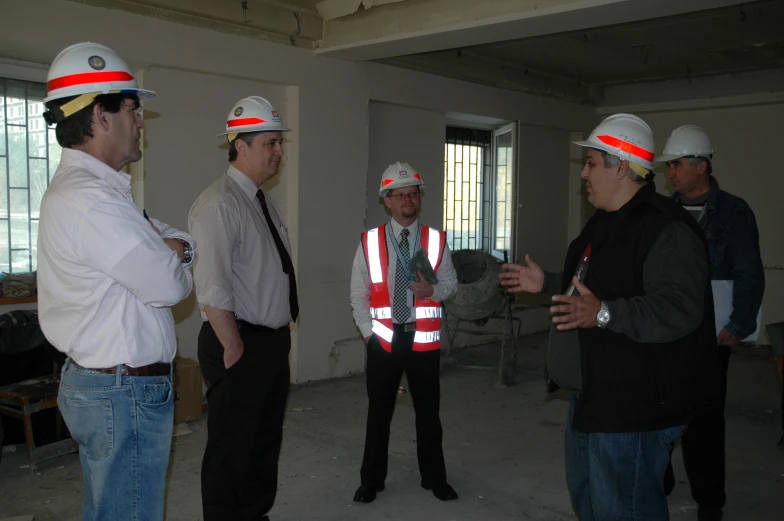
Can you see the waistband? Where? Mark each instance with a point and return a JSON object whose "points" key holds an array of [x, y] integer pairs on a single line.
{"points": [[244, 325], [157, 369]]}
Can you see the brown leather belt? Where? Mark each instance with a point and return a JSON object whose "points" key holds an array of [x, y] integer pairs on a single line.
{"points": [[159, 369]]}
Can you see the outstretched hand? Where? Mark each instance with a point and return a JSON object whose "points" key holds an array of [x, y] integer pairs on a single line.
{"points": [[518, 278]]}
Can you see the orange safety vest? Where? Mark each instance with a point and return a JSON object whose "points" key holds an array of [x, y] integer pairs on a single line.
{"points": [[428, 312]]}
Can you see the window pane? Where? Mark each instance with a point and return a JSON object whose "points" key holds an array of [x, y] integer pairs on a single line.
{"points": [[37, 185], [36, 127], [5, 253], [20, 231], [3, 191], [2, 117], [54, 153], [17, 155], [20, 261]]}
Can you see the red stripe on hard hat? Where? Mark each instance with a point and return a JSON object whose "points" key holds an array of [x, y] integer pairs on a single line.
{"points": [[244, 121], [387, 181], [417, 177], [87, 77], [626, 147]]}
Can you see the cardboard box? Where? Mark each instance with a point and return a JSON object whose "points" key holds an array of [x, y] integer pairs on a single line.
{"points": [[187, 390]]}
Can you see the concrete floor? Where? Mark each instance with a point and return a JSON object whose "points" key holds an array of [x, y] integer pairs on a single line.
{"points": [[504, 451]]}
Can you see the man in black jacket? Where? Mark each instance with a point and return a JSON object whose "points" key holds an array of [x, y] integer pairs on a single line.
{"points": [[633, 328], [733, 242]]}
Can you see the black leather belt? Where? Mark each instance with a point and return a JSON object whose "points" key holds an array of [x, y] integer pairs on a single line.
{"points": [[158, 369], [244, 325], [408, 327]]}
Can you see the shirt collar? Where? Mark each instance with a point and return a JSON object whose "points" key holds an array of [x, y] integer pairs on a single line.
{"points": [[98, 168], [247, 186], [397, 228]]}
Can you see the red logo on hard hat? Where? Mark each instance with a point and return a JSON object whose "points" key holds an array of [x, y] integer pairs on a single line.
{"points": [[275, 114], [403, 173]]}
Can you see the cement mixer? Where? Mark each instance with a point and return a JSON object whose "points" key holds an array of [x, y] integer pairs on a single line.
{"points": [[479, 298]]}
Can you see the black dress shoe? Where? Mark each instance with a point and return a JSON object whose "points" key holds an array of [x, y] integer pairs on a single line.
{"points": [[709, 514], [367, 493], [444, 491]]}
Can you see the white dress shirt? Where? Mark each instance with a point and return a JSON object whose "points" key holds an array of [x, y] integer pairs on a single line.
{"points": [[360, 278], [106, 279], [239, 267]]}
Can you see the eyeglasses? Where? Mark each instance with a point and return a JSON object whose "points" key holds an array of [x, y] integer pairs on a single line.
{"points": [[137, 111], [410, 195]]}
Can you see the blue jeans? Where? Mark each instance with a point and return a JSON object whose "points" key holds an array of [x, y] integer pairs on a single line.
{"points": [[618, 476], [123, 425]]}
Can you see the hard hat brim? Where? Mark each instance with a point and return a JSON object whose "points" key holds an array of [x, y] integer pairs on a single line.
{"points": [[668, 157], [251, 131], [142, 94]]}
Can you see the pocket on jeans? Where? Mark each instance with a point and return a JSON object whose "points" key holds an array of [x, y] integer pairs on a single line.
{"points": [[156, 395], [91, 424]]}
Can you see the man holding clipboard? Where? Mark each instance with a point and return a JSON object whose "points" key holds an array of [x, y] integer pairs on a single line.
{"points": [[738, 282], [396, 301]]}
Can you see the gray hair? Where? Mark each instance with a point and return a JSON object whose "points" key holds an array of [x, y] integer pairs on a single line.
{"points": [[695, 161], [611, 161]]}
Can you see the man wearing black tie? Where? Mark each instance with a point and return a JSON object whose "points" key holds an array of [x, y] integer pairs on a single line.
{"points": [[247, 294]]}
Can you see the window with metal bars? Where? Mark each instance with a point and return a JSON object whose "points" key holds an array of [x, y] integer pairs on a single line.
{"points": [[29, 155], [467, 196]]}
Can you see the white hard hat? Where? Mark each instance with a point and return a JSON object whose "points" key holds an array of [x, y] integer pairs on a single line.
{"points": [[398, 175], [688, 140], [625, 136], [252, 114], [87, 70]]}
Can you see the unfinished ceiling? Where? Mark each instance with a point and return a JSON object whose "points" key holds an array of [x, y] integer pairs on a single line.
{"points": [[579, 65], [583, 51]]}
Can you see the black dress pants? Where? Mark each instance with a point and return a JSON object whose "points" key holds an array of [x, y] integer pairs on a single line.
{"points": [[384, 371], [703, 448], [247, 402]]}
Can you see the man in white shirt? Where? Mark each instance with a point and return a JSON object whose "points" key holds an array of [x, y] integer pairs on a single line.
{"points": [[106, 280], [399, 316], [247, 293]]}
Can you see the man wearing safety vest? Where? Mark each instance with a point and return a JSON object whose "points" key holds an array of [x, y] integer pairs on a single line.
{"points": [[399, 316], [634, 332]]}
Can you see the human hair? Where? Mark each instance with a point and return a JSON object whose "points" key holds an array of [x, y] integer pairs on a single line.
{"points": [[75, 129], [695, 161], [247, 137]]}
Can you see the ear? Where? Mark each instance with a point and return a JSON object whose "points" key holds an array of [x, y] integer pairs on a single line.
{"points": [[387, 202], [241, 146], [623, 170], [101, 119], [702, 168]]}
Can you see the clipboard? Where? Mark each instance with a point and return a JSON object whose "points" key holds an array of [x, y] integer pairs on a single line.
{"points": [[722, 307]]}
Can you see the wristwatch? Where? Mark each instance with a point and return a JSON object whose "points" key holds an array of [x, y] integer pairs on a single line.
{"points": [[187, 252], [604, 316]]}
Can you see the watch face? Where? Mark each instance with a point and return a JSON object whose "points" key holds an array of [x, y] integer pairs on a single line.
{"points": [[603, 316]]}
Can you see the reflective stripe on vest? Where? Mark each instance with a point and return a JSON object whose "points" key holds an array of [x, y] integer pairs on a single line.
{"points": [[382, 331], [427, 337], [381, 313], [428, 312], [374, 261]]}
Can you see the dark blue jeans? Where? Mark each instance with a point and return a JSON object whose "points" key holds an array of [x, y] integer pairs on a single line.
{"points": [[123, 425], [618, 476]]}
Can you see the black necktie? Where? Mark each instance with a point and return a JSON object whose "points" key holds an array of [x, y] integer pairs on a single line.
{"points": [[288, 267]]}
